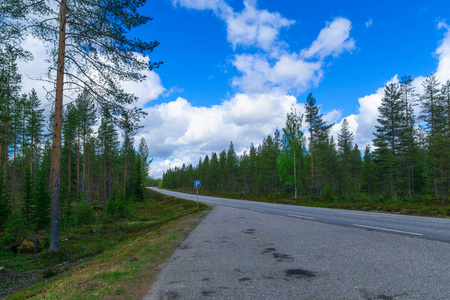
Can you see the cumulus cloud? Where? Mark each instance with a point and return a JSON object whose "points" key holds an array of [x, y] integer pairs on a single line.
{"points": [[368, 23], [149, 89], [291, 71], [332, 40], [288, 72], [274, 67], [179, 132], [251, 27], [254, 27], [443, 53]]}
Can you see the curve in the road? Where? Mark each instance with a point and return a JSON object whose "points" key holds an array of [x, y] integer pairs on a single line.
{"points": [[421, 227]]}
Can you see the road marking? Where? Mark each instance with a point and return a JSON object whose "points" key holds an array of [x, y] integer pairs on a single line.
{"points": [[385, 229], [302, 217], [254, 209], [359, 214]]}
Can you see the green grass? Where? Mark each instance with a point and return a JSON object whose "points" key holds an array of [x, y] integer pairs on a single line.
{"points": [[99, 241]]}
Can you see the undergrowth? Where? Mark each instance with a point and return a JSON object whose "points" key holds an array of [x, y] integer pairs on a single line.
{"points": [[84, 243]]}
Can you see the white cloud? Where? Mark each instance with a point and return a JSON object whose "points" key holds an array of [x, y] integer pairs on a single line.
{"points": [[149, 89], [253, 27], [332, 40], [289, 72], [34, 70], [443, 53], [368, 23], [332, 116], [200, 4], [184, 133]]}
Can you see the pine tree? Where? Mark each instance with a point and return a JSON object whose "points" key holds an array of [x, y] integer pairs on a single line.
{"points": [[139, 182], [86, 112], [387, 144], [253, 170], [34, 129], [108, 143], [345, 145], [434, 117], [129, 129], [409, 100], [144, 153], [231, 168], [318, 137], [214, 171], [368, 176]]}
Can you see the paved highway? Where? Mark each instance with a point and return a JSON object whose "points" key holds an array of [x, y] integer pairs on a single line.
{"points": [[239, 253], [420, 227]]}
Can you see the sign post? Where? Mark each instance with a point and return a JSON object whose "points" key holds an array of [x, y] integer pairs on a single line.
{"points": [[197, 184]]}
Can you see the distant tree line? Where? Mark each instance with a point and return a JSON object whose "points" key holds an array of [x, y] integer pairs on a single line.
{"points": [[410, 156]]}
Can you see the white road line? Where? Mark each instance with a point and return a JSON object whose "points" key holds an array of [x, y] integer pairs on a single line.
{"points": [[302, 217], [359, 214], [254, 209], [385, 229]]}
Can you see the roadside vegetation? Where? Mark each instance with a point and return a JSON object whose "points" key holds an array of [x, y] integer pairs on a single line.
{"points": [[112, 255], [426, 206]]}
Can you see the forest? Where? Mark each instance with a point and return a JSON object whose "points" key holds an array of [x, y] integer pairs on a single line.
{"points": [[96, 169], [409, 157], [59, 167]]}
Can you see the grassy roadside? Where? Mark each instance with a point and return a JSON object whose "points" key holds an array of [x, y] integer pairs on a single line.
{"points": [[116, 260], [426, 206]]}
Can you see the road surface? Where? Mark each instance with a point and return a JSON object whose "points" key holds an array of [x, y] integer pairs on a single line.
{"points": [[240, 253], [421, 227]]}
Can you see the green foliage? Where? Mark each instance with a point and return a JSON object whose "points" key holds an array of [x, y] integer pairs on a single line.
{"points": [[116, 208], [5, 206], [41, 203], [15, 226], [86, 215]]}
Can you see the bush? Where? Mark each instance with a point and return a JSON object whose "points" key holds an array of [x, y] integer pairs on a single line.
{"points": [[116, 208], [86, 215]]}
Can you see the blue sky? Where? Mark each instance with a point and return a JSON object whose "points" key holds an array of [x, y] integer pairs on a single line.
{"points": [[390, 37], [233, 68]]}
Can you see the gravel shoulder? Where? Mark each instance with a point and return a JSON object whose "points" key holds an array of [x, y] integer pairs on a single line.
{"points": [[241, 254]]}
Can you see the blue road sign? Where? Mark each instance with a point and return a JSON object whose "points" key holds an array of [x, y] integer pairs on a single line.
{"points": [[197, 183]]}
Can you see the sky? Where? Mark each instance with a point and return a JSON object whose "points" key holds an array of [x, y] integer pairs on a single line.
{"points": [[234, 68]]}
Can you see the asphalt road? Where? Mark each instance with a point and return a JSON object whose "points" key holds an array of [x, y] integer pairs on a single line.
{"points": [[420, 227], [238, 253]]}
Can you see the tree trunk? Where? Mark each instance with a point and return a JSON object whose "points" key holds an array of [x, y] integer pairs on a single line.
{"points": [[31, 153], [83, 178], [69, 170], [125, 174], [78, 165], [55, 173]]}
